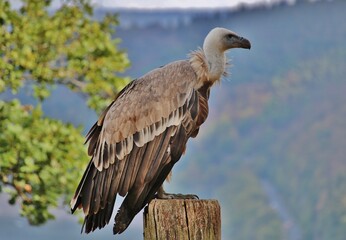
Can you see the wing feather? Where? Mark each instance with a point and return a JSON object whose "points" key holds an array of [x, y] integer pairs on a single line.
{"points": [[106, 187], [157, 159], [94, 131], [87, 191], [131, 168], [116, 181], [145, 162], [112, 153], [152, 97], [137, 164]]}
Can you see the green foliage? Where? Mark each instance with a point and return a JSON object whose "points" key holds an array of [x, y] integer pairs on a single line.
{"points": [[41, 159], [66, 47]]}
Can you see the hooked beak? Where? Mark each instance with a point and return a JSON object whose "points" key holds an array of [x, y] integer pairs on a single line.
{"points": [[241, 42]]}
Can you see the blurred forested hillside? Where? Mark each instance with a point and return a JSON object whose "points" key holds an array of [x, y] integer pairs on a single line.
{"points": [[273, 149], [279, 119]]}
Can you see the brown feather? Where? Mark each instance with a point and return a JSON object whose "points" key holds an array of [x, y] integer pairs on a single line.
{"points": [[116, 181], [149, 110], [92, 138], [164, 143], [106, 186], [199, 64], [203, 111], [131, 168], [86, 192], [137, 165]]}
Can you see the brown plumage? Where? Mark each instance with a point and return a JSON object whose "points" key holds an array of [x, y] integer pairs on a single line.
{"points": [[143, 133]]}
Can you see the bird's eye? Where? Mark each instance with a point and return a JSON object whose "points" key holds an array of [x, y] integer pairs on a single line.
{"points": [[230, 36]]}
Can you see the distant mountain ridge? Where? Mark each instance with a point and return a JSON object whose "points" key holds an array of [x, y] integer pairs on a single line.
{"points": [[171, 18]]}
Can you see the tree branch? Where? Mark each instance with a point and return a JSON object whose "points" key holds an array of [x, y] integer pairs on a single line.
{"points": [[18, 189]]}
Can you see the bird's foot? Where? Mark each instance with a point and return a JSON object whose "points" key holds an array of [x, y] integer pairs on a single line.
{"points": [[164, 195]]}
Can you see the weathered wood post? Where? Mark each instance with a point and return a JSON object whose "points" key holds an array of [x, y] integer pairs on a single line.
{"points": [[182, 219]]}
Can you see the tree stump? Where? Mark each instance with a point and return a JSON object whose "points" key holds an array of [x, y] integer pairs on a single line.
{"points": [[182, 220]]}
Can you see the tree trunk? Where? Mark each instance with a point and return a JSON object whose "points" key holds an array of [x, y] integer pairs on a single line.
{"points": [[182, 220]]}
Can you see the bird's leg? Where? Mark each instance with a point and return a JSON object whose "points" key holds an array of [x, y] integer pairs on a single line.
{"points": [[161, 194]]}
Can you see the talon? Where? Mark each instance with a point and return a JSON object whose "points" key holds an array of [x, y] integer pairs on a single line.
{"points": [[161, 194], [164, 195]]}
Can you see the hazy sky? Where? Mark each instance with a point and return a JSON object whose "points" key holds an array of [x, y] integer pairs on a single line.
{"points": [[163, 3], [174, 3]]}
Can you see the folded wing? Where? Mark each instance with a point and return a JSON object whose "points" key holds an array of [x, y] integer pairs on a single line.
{"points": [[136, 142]]}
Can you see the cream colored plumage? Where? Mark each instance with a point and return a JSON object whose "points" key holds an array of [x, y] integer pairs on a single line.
{"points": [[143, 133]]}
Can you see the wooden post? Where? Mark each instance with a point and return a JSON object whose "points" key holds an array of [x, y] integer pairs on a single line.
{"points": [[182, 220]]}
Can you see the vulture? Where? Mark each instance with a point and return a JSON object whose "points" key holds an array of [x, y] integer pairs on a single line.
{"points": [[141, 135]]}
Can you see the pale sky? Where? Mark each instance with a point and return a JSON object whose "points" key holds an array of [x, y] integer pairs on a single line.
{"points": [[164, 3], [174, 3]]}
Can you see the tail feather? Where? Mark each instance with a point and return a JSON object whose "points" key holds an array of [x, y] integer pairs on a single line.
{"points": [[122, 220], [97, 212], [76, 201], [98, 220], [143, 196]]}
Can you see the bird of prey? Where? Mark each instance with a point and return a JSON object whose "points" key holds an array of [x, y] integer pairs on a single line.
{"points": [[143, 133]]}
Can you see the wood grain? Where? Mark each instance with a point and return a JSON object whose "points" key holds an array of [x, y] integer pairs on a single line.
{"points": [[182, 220]]}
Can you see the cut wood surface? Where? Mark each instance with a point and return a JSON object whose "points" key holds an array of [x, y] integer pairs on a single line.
{"points": [[182, 219]]}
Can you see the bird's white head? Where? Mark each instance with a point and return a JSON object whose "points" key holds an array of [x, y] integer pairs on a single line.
{"points": [[222, 39], [215, 44]]}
